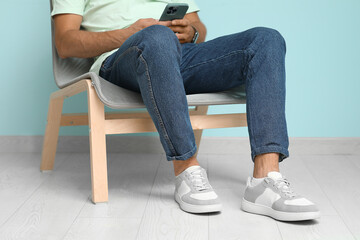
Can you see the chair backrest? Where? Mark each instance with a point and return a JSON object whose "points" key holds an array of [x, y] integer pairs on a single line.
{"points": [[66, 69]]}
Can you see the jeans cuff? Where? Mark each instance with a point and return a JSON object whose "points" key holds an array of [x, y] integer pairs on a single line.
{"points": [[185, 156], [283, 152]]}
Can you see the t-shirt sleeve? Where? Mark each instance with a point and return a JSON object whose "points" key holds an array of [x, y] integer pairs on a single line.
{"points": [[68, 6], [193, 7]]}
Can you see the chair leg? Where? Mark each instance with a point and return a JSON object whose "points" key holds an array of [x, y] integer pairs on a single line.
{"points": [[202, 110], [51, 133], [97, 137]]}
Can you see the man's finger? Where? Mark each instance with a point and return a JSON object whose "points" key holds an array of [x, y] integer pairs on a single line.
{"points": [[180, 36], [180, 22], [164, 23], [177, 29]]}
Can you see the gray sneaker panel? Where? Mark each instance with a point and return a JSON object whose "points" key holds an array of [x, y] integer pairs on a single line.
{"points": [[188, 199], [252, 193], [280, 205]]}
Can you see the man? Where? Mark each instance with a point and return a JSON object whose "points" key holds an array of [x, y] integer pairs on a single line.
{"points": [[164, 61]]}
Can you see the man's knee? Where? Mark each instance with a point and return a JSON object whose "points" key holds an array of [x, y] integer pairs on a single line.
{"points": [[158, 37], [271, 38]]}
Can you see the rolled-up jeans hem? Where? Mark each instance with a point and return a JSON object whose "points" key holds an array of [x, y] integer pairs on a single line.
{"points": [[283, 152], [185, 156]]}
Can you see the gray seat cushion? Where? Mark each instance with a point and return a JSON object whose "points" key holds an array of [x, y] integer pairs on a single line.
{"points": [[117, 97]]}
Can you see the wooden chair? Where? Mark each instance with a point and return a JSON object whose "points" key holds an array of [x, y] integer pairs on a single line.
{"points": [[72, 77]]}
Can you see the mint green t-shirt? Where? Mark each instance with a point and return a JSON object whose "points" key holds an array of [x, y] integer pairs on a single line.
{"points": [[106, 15]]}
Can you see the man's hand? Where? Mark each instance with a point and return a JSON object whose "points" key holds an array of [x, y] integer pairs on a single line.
{"points": [[183, 30], [146, 22]]}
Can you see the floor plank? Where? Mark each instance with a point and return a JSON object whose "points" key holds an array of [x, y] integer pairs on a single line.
{"points": [[355, 159], [103, 228], [339, 178], [326, 228], [21, 177], [54, 206], [162, 217]]}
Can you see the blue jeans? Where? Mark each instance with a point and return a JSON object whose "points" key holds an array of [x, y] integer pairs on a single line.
{"points": [[154, 63]]}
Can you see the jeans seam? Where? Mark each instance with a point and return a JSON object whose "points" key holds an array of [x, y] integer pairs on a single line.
{"points": [[215, 59], [161, 122], [249, 72]]}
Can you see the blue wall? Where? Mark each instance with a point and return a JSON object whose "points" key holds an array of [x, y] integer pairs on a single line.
{"points": [[323, 63]]}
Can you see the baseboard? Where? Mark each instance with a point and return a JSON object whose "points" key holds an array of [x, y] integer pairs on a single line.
{"points": [[209, 145], [68, 144]]}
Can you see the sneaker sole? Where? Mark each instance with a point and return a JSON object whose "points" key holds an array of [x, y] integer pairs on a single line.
{"points": [[196, 208], [282, 216]]}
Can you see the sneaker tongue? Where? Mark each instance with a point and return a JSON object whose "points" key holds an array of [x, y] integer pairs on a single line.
{"points": [[274, 175], [192, 168]]}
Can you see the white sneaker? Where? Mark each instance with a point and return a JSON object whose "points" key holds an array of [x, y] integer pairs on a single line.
{"points": [[194, 193], [273, 197]]}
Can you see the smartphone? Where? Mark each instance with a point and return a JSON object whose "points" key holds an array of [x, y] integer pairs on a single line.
{"points": [[174, 11]]}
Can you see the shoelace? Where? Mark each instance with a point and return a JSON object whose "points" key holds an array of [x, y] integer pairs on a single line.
{"points": [[197, 179], [284, 186]]}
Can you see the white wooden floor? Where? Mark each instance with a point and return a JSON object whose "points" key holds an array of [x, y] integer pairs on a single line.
{"points": [[56, 204]]}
